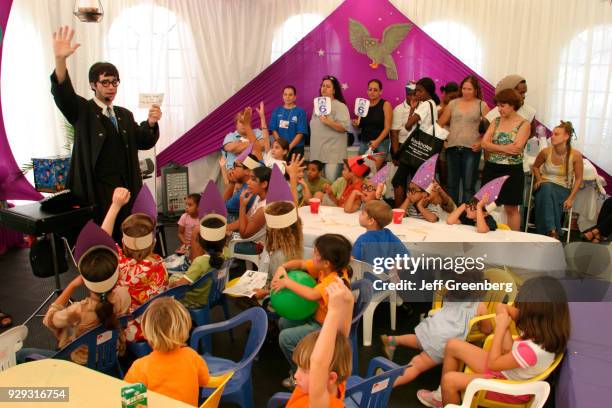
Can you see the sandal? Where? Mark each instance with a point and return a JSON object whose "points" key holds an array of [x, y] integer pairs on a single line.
{"points": [[389, 345], [5, 320]]}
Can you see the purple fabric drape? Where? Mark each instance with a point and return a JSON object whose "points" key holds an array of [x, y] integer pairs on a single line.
{"points": [[13, 185], [327, 51]]}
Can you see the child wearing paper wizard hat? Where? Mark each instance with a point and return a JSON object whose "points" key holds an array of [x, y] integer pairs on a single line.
{"points": [[425, 198], [209, 247], [96, 258], [142, 271], [476, 212]]}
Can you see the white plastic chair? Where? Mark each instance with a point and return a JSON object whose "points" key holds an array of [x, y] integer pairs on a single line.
{"points": [[11, 341], [359, 269], [249, 259], [539, 389]]}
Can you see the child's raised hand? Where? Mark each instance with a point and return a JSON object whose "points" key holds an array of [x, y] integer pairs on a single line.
{"points": [[222, 161], [340, 297], [483, 201], [260, 110], [76, 282], [121, 196]]}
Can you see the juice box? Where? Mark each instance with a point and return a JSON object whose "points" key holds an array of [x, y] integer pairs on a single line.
{"points": [[134, 396]]}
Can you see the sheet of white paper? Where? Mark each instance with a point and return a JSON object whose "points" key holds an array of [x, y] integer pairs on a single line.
{"points": [[146, 100], [247, 284], [362, 106], [322, 106]]}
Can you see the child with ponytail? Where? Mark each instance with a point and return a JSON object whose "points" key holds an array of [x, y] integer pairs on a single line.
{"points": [[209, 241]]}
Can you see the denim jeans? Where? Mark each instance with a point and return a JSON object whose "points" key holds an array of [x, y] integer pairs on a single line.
{"points": [[462, 169], [291, 332], [383, 147], [549, 200]]}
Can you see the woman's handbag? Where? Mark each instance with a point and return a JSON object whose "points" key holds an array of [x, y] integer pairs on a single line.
{"points": [[482, 125], [420, 146]]}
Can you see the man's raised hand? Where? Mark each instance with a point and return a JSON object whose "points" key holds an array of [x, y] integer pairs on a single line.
{"points": [[62, 42]]}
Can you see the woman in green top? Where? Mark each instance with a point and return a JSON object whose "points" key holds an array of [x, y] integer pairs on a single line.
{"points": [[504, 141]]}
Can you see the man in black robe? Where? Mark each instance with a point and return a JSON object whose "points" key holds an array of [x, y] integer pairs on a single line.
{"points": [[106, 137]]}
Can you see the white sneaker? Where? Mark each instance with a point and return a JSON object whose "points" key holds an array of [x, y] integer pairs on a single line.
{"points": [[428, 398]]}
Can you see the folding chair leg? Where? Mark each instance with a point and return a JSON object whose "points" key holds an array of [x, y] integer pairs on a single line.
{"points": [[368, 319], [393, 308]]}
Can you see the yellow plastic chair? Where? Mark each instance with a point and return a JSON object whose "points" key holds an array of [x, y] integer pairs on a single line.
{"points": [[503, 227], [491, 298], [213, 400], [481, 400]]}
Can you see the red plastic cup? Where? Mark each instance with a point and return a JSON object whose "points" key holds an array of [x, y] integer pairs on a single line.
{"points": [[398, 214], [314, 205]]}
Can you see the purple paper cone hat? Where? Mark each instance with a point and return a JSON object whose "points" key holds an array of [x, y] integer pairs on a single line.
{"points": [[493, 188], [245, 159], [93, 237], [279, 190], [424, 176], [212, 206], [143, 204], [380, 176]]}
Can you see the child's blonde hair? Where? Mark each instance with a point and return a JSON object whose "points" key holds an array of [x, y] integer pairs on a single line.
{"points": [[290, 240], [138, 225], [380, 212], [166, 324], [342, 361]]}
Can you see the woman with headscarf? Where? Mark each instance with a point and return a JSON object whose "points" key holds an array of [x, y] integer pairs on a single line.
{"points": [[519, 84], [422, 107]]}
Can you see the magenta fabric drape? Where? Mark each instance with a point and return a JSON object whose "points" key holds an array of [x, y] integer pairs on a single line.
{"points": [[327, 51]]}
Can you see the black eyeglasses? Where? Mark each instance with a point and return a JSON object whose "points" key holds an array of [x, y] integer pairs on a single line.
{"points": [[414, 190], [368, 187], [238, 166], [106, 83]]}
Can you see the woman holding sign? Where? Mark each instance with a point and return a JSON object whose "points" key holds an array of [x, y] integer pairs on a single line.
{"points": [[374, 117], [328, 125]]}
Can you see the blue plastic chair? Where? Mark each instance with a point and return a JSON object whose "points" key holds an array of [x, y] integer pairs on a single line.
{"points": [[364, 286], [240, 388], [371, 392], [142, 348], [201, 315], [101, 346]]}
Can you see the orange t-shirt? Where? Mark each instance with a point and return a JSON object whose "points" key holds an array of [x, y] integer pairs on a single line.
{"points": [[178, 374], [299, 398], [322, 283]]}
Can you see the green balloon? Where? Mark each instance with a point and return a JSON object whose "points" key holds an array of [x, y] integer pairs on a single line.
{"points": [[291, 306]]}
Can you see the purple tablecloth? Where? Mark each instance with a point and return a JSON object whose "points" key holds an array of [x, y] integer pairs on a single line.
{"points": [[586, 374]]}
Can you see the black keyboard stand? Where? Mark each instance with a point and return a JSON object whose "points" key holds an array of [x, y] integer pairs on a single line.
{"points": [[30, 219]]}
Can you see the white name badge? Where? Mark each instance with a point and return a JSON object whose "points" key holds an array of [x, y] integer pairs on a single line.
{"points": [[322, 106], [283, 124], [146, 100], [362, 106]]}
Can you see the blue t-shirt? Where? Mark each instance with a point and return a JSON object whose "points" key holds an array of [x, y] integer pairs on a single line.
{"points": [[289, 122], [233, 203], [378, 244], [235, 137]]}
